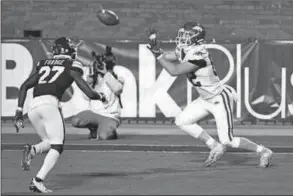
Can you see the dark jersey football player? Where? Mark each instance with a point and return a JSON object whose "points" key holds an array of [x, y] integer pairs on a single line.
{"points": [[49, 82]]}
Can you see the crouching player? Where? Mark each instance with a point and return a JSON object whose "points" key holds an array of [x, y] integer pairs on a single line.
{"points": [[102, 119], [50, 80]]}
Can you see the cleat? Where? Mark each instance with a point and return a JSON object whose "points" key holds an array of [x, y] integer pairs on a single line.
{"points": [[265, 158], [215, 154], [38, 187], [26, 157]]}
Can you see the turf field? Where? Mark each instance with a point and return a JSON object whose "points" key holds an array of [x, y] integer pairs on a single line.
{"points": [[149, 164]]}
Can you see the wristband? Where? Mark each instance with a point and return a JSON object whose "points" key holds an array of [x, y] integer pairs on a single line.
{"points": [[159, 57], [19, 109]]}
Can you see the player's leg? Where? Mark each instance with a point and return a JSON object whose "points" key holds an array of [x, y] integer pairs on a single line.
{"points": [[55, 130], [187, 122], [224, 118], [107, 128], [29, 151], [86, 119]]}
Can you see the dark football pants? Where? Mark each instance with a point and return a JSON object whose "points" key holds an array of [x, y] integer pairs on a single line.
{"points": [[106, 127]]}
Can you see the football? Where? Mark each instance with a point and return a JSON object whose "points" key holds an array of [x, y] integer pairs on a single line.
{"points": [[108, 17]]}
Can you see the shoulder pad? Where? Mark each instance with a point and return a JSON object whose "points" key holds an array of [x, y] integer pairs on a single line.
{"points": [[77, 64], [197, 53], [200, 50]]}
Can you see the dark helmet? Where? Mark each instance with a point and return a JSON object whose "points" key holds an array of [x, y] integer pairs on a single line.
{"points": [[64, 46]]}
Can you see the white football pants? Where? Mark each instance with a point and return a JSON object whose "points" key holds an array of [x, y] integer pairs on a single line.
{"points": [[47, 119], [221, 107]]}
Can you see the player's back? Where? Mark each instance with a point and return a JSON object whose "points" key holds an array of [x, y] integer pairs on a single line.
{"points": [[55, 76]]}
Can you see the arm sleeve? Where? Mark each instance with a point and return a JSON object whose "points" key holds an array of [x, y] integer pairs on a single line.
{"points": [[29, 83], [77, 66], [116, 85], [84, 87]]}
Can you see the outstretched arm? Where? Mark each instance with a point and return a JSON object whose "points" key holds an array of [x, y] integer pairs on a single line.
{"points": [[176, 69], [115, 84], [29, 83], [81, 83], [170, 56], [166, 59]]}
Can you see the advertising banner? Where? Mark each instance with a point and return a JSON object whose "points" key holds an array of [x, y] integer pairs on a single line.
{"points": [[260, 71]]}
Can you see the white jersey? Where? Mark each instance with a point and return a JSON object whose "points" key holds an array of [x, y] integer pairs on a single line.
{"points": [[205, 79], [110, 86]]}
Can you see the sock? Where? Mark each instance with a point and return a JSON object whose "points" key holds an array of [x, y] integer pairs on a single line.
{"points": [[249, 145], [197, 132], [49, 162], [39, 179], [40, 148], [211, 142]]}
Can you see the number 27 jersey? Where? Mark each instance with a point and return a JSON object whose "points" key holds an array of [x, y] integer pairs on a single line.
{"points": [[55, 76], [205, 79]]}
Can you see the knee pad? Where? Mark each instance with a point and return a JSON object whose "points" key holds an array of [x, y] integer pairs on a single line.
{"points": [[234, 143], [57, 147]]}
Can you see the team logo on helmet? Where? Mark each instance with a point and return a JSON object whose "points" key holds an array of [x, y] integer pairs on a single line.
{"points": [[64, 46]]}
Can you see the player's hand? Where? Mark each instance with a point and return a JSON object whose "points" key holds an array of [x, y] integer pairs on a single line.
{"points": [[103, 97], [18, 120], [101, 68], [154, 45], [110, 61]]}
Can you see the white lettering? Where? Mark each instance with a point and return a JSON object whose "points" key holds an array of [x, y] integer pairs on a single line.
{"points": [[230, 59], [282, 107], [238, 80], [129, 94], [14, 77], [152, 92], [290, 106]]}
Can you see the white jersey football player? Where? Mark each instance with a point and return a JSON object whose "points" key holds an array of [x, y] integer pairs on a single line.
{"points": [[214, 97]]}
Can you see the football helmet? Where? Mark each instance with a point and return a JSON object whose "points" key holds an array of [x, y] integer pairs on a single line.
{"points": [[64, 46], [190, 34]]}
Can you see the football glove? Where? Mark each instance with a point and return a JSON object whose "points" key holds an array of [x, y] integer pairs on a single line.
{"points": [[101, 68], [154, 45], [103, 97], [18, 120]]}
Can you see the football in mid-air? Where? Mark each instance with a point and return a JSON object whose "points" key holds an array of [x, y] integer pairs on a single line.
{"points": [[108, 17]]}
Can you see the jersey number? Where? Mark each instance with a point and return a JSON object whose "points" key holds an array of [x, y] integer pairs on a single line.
{"points": [[191, 76], [46, 72]]}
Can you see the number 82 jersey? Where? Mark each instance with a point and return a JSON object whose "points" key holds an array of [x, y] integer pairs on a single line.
{"points": [[55, 76], [205, 79]]}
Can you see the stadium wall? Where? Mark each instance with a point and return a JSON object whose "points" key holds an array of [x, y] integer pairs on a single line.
{"points": [[261, 71], [242, 27], [224, 19]]}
